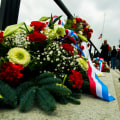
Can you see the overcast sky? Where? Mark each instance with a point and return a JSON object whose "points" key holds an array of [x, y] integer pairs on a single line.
{"points": [[95, 12]]}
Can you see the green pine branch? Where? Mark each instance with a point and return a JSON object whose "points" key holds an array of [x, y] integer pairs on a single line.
{"points": [[27, 101], [57, 89], [45, 100], [43, 76], [8, 94], [49, 80]]}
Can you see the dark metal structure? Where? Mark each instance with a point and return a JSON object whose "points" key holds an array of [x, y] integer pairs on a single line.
{"points": [[9, 12], [64, 8], [9, 15]]}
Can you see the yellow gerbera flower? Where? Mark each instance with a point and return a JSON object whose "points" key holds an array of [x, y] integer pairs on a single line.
{"points": [[19, 56]]}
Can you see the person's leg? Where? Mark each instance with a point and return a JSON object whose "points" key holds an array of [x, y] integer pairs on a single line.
{"points": [[112, 62], [114, 58], [119, 64]]}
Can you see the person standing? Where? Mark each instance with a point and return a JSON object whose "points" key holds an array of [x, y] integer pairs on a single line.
{"points": [[113, 57], [109, 55], [104, 51], [118, 58]]}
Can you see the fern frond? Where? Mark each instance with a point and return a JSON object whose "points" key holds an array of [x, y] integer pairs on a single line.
{"points": [[45, 100], [27, 101], [8, 94], [49, 80], [57, 89]]}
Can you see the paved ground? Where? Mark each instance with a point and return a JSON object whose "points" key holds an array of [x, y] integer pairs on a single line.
{"points": [[91, 108], [116, 75]]}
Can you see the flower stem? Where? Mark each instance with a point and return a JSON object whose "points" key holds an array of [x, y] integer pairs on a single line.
{"points": [[64, 79], [26, 28]]}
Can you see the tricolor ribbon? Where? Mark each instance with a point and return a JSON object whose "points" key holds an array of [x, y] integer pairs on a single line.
{"points": [[72, 34], [97, 87], [101, 65]]}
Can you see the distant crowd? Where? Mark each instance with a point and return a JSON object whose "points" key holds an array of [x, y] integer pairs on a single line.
{"points": [[111, 55]]}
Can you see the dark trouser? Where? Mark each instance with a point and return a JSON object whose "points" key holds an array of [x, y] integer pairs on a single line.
{"points": [[113, 60]]}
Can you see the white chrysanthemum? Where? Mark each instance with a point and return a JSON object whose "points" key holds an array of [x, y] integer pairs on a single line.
{"points": [[19, 56]]}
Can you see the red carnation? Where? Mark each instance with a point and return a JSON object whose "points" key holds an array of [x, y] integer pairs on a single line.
{"points": [[74, 26], [10, 73], [78, 20], [85, 29], [90, 30], [88, 45], [68, 47], [38, 26], [36, 37], [82, 47], [89, 35], [72, 39], [1, 36], [84, 21], [77, 78]]}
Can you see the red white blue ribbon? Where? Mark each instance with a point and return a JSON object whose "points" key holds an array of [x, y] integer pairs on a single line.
{"points": [[72, 34], [97, 87], [100, 63]]}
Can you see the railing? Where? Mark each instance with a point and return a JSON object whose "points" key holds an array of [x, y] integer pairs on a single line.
{"points": [[9, 12]]}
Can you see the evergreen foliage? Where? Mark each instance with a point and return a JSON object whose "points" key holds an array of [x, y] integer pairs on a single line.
{"points": [[45, 100], [42, 88], [22, 88], [44, 75], [62, 99], [49, 80], [58, 89], [73, 100], [8, 94], [86, 87], [27, 100]]}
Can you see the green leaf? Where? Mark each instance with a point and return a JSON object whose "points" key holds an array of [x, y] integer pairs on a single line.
{"points": [[12, 28], [28, 27], [45, 100], [56, 19], [82, 37], [51, 23], [44, 18]]}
